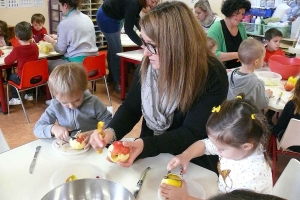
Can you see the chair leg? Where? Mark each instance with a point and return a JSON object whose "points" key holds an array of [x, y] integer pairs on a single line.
{"points": [[7, 96], [23, 107], [93, 83], [36, 95], [110, 104]]}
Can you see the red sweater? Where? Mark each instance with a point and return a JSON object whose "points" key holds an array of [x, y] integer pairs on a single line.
{"points": [[22, 54], [271, 53], [38, 35]]}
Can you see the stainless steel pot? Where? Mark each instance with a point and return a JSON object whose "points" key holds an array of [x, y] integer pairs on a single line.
{"points": [[89, 189]]}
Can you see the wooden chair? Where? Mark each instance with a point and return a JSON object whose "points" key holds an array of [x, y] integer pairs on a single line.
{"points": [[96, 69], [287, 186], [34, 74], [291, 137]]}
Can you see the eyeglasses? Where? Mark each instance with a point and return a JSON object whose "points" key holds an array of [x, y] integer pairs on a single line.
{"points": [[151, 48]]}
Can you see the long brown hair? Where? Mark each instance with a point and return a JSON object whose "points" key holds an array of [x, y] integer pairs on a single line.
{"points": [[182, 50], [296, 97], [5, 31]]}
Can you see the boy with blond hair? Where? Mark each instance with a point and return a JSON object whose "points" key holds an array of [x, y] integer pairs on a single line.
{"points": [[38, 29], [251, 53], [73, 107]]}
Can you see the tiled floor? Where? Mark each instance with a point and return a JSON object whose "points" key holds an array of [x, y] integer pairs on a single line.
{"points": [[18, 132]]}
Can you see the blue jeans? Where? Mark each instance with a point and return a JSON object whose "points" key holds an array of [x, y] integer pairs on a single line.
{"points": [[114, 46], [16, 79]]}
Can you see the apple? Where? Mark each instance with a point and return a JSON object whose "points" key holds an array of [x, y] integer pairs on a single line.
{"points": [[292, 79], [45, 49], [71, 178], [77, 143], [172, 179], [289, 86], [1, 53], [117, 152]]}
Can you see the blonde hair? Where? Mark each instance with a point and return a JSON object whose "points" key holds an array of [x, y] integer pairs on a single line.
{"points": [[250, 50], [211, 43], [205, 7], [68, 79], [183, 54]]}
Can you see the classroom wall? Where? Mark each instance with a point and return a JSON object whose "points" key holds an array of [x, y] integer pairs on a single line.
{"points": [[12, 16]]}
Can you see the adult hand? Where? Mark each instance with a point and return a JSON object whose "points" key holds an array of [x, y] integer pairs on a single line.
{"points": [[136, 148], [53, 36], [49, 39], [172, 192], [179, 160], [59, 132], [98, 142]]}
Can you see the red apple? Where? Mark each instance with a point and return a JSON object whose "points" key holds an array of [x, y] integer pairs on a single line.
{"points": [[289, 86], [117, 152], [1, 53]]}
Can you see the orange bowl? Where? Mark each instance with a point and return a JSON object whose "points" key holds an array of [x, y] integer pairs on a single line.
{"points": [[284, 66]]}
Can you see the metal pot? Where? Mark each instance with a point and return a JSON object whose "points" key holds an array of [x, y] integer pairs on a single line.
{"points": [[86, 189]]}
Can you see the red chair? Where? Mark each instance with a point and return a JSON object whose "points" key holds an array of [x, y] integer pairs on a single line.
{"points": [[34, 74], [291, 137], [96, 69]]}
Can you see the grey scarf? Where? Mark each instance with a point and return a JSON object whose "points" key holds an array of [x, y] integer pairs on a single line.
{"points": [[156, 112]]}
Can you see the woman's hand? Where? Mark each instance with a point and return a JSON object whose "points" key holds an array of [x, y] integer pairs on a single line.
{"points": [[99, 141], [179, 160], [53, 36], [136, 148], [49, 39], [59, 132], [173, 193]]}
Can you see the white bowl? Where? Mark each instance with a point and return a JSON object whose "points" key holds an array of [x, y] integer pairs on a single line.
{"points": [[269, 78]]}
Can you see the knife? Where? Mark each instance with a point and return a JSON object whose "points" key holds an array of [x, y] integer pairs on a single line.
{"points": [[279, 98], [31, 168], [140, 182]]}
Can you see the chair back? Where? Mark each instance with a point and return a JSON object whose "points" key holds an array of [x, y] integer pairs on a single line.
{"points": [[291, 136], [95, 66], [287, 186], [34, 73]]}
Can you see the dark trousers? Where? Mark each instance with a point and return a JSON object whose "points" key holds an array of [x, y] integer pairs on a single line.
{"points": [[16, 79]]}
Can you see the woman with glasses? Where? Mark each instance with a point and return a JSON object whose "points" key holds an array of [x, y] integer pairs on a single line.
{"points": [[204, 14], [174, 90], [230, 32], [109, 17]]}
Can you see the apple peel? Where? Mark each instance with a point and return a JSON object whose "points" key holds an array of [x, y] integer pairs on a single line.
{"points": [[172, 179], [117, 152]]}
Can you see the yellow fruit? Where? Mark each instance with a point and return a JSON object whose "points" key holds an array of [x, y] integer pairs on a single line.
{"points": [[172, 179], [71, 178], [45, 49], [74, 144]]}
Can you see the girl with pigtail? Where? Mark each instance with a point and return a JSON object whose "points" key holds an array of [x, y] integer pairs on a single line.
{"points": [[237, 132]]}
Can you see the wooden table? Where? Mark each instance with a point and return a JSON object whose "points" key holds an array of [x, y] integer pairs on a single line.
{"points": [[17, 183], [3, 66], [126, 58]]}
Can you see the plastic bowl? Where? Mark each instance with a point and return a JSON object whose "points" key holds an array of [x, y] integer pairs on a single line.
{"points": [[269, 78], [284, 66]]}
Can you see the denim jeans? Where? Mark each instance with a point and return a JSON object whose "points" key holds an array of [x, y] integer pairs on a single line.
{"points": [[16, 79], [114, 46]]}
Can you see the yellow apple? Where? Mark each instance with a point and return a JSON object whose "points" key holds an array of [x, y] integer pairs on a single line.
{"points": [[172, 179], [45, 49]]}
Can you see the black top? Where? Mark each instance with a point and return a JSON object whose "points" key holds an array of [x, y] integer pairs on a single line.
{"points": [[232, 45], [284, 119], [128, 10], [186, 128]]}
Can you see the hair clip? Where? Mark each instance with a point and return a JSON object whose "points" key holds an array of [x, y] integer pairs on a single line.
{"points": [[216, 109], [239, 97], [253, 116]]}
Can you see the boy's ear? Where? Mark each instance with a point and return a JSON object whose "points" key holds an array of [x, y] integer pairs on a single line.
{"points": [[247, 146], [256, 62]]}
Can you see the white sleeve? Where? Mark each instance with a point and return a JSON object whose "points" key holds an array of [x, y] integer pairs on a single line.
{"points": [[210, 148]]}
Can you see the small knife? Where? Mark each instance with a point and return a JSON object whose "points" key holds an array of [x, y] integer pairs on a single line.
{"points": [[279, 98], [140, 182], [31, 168]]}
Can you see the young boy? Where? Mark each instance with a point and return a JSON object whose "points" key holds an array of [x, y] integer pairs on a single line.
{"points": [[73, 107], [27, 51], [251, 54], [38, 31], [273, 37]]}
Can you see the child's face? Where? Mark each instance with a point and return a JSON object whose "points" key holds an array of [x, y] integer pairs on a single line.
{"points": [[37, 26], [230, 152], [274, 43], [71, 102]]}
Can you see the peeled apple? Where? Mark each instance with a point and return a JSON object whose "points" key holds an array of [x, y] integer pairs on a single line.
{"points": [[117, 152]]}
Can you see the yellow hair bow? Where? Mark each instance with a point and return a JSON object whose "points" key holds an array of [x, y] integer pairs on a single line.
{"points": [[216, 109], [239, 97], [253, 116]]}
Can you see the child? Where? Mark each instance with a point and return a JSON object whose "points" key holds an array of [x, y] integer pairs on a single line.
{"points": [[291, 110], [251, 54], [27, 51], [212, 45], [273, 37], [4, 41], [73, 107], [237, 132], [38, 31]]}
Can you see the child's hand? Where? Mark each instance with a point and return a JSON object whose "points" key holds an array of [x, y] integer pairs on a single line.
{"points": [[269, 93], [179, 160], [173, 193], [60, 132]]}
